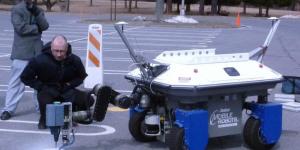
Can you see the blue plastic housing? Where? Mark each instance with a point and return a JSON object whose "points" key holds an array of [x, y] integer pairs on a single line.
{"points": [[195, 124], [54, 115], [270, 116], [133, 110]]}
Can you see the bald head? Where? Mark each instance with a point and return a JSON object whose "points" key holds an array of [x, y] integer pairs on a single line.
{"points": [[59, 47], [59, 40]]}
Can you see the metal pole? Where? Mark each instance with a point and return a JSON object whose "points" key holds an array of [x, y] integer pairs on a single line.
{"points": [[115, 9], [111, 10], [136, 59]]}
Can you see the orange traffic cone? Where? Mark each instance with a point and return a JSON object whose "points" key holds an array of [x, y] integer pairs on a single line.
{"points": [[238, 20]]}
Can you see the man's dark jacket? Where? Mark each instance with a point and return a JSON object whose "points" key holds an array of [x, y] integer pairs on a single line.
{"points": [[44, 72]]}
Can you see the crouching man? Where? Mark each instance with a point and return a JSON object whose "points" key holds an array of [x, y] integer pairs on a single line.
{"points": [[55, 74]]}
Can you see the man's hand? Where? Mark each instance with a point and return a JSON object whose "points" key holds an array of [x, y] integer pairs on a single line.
{"points": [[33, 9]]}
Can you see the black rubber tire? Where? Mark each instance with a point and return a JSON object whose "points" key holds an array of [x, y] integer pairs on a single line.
{"points": [[136, 127], [102, 101], [175, 139], [252, 136]]}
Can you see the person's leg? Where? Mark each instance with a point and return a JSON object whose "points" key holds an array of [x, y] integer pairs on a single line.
{"points": [[44, 98], [68, 96], [36, 102], [16, 88]]}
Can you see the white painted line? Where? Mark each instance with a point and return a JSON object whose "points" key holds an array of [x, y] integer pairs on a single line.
{"points": [[56, 30], [106, 70], [156, 39], [168, 36], [5, 55], [5, 39], [148, 29], [4, 69], [120, 50], [116, 72], [124, 50], [153, 44], [9, 46], [27, 91], [63, 26], [172, 33], [123, 71], [181, 29], [117, 59], [120, 73], [5, 85], [73, 26], [72, 31], [107, 129], [4, 44], [24, 91], [67, 30], [154, 28], [109, 33], [68, 33], [123, 91], [110, 73], [4, 66], [114, 50], [137, 51]]}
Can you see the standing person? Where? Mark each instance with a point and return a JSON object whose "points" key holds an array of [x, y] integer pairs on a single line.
{"points": [[55, 74], [28, 22]]}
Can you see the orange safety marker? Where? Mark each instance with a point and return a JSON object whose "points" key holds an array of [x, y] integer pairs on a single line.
{"points": [[93, 63], [238, 20]]}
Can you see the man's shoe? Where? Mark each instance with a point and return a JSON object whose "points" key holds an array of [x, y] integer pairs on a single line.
{"points": [[42, 125], [5, 115]]}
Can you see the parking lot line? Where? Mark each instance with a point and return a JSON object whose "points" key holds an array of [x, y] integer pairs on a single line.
{"points": [[107, 129], [31, 91], [4, 55], [161, 40]]}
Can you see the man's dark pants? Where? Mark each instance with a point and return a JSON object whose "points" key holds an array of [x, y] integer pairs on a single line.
{"points": [[80, 100]]}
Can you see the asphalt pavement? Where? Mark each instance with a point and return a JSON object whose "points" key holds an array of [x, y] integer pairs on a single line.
{"points": [[148, 39]]}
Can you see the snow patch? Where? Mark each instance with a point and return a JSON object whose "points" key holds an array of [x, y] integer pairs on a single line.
{"points": [[181, 19], [139, 18], [291, 16]]}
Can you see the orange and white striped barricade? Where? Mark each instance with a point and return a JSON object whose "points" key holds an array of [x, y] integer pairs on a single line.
{"points": [[94, 63]]}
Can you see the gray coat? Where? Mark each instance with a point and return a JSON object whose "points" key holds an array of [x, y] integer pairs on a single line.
{"points": [[27, 38]]}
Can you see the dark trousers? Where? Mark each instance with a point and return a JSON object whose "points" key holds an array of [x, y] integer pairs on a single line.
{"points": [[80, 100]]}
